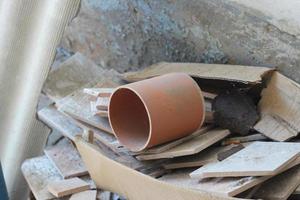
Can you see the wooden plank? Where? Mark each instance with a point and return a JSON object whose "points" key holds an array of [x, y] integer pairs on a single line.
{"points": [[67, 187], [275, 128], [280, 108], [38, 172], [249, 138], [60, 121], [67, 160], [206, 156], [86, 195], [102, 103], [190, 147], [228, 186], [169, 145], [77, 105], [257, 159], [281, 186], [236, 73], [99, 92], [102, 113]]}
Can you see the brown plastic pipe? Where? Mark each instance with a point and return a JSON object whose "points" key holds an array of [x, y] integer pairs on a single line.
{"points": [[157, 110]]}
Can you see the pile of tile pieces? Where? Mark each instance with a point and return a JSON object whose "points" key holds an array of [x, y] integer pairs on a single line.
{"points": [[211, 159]]}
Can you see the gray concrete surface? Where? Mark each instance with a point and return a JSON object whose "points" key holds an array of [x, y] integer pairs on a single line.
{"points": [[131, 34]]}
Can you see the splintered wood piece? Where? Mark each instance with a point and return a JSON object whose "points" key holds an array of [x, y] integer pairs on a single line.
{"points": [[228, 186], [169, 145], [38, 172], [279, 106], [88, 135], [67, 160], [60, 121], [257, 159], [77, 105], [281, 186], [86, 195], [206, 156], [209, 95], [93, 107], [66, 187], [278, 129], [190, 147], [102, 113], [102, 103], [249, 138], [99, 92]]}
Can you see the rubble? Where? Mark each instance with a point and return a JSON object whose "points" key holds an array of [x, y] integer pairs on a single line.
{"points": [[211, 162]]}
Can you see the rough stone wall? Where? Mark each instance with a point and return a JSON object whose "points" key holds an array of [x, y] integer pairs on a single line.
{"points": [[131, 34]]}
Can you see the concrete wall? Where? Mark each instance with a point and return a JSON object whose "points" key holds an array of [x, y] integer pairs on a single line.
{"points": [[131, 34]]}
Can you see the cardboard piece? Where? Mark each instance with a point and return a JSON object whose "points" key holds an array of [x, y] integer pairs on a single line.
{"points": [[77, 105], [236, 73], [63, 188], [190, 147], [125, 181], [86, 195], [280, 109], [257, 159], [67, 160], [281, 186]]}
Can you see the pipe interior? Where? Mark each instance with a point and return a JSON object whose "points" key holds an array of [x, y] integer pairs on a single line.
{"points": [[129, 119]]}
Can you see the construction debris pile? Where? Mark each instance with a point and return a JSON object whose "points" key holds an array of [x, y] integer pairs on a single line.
{"points": [[217, 130]]}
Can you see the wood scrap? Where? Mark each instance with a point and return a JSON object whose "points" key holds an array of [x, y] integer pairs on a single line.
{"points": [[228, 186], [88, 135], [232, 149], [209, 95], [67, 187], [234, 73], [279, 108], [38, 172], [60, 121], [249, 138], [190, 147], [77, 105], [281, 186], [278, 129], [206, 156], [102, 113], [99, 92], [102, 103], [86, 195], [257, 159], [67, 160], [169, 145]]}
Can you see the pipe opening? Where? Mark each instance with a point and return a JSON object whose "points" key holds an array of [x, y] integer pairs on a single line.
{"points": [[129, 119]]}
